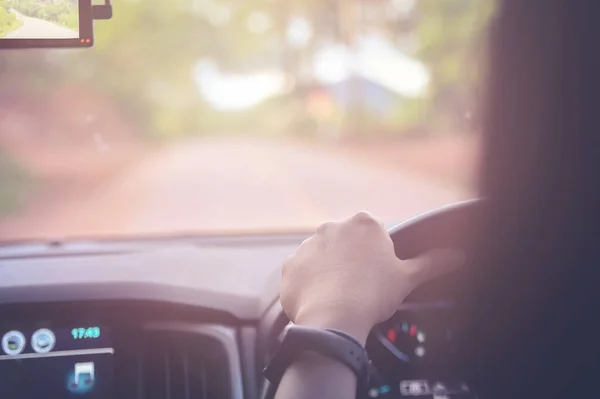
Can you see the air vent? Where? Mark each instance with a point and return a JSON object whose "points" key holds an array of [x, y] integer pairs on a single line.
{"points": [[182, 365]]}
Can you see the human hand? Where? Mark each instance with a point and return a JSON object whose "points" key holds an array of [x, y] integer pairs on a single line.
{"points": [[347, 276]]}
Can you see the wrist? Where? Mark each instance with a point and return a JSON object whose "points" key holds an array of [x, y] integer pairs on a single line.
{"points": [[349, 324]]}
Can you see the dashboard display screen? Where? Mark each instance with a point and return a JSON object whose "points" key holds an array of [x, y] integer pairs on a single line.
{"points": [[70, 362], [416, 354]]}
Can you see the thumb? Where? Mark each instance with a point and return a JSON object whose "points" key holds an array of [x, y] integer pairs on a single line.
{"points": [[434, 264]]}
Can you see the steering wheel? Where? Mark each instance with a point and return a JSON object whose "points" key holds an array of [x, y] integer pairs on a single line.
{"points": [[446, 227]]}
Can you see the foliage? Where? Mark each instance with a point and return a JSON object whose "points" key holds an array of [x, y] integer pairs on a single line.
{"points": [[8, 20], [451, 37], [446, 35], [70, 20], [144, 58], [63, 12]]}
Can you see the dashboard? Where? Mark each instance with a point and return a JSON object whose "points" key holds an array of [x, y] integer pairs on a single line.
{"points": [[186, 317]]}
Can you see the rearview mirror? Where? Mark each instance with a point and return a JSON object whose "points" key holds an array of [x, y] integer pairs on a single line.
{"points": [[48, 23]]}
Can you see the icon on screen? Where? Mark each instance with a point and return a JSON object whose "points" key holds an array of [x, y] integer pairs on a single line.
{"points": [[13, 343], [438, 387], [81, 378], [414, 388], [43, 340]]}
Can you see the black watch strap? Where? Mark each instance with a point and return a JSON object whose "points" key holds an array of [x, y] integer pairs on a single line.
{"points": [[333, 344]]}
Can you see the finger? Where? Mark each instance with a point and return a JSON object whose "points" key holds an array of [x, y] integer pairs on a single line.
{"points": [[325, 227], [288, 264], [306, 241], [366, 217], [434, 264]]}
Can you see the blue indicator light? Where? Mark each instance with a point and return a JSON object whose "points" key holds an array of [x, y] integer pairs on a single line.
{"points": [[385, 389]]}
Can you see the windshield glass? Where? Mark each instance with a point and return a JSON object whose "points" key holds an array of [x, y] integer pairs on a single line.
{"points": [[221, 116]]}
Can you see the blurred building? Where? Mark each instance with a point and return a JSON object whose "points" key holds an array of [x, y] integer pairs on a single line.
{"points": [[375, 74]]}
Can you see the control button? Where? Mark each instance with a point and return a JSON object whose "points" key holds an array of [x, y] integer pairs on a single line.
{"points": [[438, 387], [385, 389], [414, 388], [13, 342], [420, 351], [43, 340], [81, 379], [373, 392]]}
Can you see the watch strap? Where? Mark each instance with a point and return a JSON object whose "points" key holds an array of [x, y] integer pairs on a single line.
{"points": [[330, 343]]}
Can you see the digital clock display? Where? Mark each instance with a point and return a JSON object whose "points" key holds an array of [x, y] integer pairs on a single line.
{"points": [[85, 332]]}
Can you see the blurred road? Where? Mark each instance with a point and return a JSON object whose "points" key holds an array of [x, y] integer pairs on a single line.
{"points": [[34, 28], [231, 186]]}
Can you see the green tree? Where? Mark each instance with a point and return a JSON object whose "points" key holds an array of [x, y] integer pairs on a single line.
{"points": [[8, 20], [450, 41], [144, 58]]}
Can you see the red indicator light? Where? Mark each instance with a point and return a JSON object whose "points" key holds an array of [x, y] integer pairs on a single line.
{"points": [[391, 335], [88, 40], [413, 330]]}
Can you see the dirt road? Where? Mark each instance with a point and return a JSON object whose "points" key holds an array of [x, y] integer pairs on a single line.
{"points": [[233, 185], [35, 28]]}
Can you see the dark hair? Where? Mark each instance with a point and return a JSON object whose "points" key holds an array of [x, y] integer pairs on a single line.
{"points": [[534, 292]]}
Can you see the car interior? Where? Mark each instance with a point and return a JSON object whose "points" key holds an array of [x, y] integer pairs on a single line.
{"points": [[136, 317], [153, 334]]}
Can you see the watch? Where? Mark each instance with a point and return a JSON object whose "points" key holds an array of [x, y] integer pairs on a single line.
{"points": [[333, 344]]}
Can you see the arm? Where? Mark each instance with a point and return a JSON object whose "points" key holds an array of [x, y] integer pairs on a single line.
{"points": [[311, 376]]}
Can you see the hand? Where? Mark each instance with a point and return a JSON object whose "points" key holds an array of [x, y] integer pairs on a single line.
{"points": [[347, 276]]}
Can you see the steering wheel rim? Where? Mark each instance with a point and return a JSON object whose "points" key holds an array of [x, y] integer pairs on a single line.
{"points": [[446, 227]]}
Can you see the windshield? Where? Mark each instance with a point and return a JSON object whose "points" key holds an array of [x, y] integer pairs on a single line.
{"points": [[226, 116]]}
